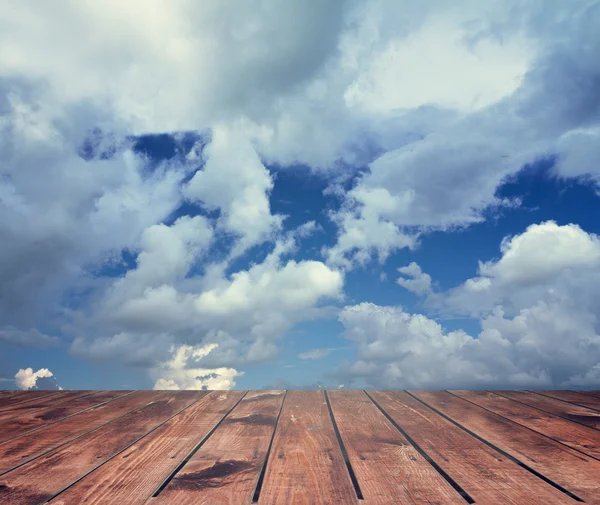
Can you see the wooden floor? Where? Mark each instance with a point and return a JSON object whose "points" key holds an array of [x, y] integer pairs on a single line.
{"points": [[299, 447]]}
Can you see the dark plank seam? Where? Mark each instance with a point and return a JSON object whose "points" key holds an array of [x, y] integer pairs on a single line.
{"points": [[542, 410], [21, 414], [526, 427], [567, 401], [263, 470], [74, 439], [124, 449], [66, 417], [464, 495], [353, 478], [43, 397], [194, 450], [497, 449]]}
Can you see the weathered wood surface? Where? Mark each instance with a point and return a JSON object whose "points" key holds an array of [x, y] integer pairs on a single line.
{"points": [[299, 448], [139, 470], [26, 422], [485, 475], [576, 413], [67, 464], [581, 438], [568, 468], [227, 467], [22, 397], [48, 401], [587, 399], [29, 446], [388, 468], [306, 465]]}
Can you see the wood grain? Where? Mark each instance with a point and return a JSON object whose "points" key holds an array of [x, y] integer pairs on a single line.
{"points": [[567, 411], [136, 473], [582, 438], [24, 397], [34, 420], [388, 469], [39, 404], [587, 399], [40, 479], [306, 466], [31, 445], [486, 475], [225, 470], [566, 467]]}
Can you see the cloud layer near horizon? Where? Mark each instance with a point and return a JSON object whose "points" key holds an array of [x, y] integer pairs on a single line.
{"points": [[414, 114]]}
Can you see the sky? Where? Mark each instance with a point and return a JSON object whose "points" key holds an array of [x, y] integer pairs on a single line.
{"points": [[300, 194]]}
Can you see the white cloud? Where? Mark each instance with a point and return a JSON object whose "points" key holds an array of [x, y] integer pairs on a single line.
{"points": [[314, 354], [441, 171], [26, 378], [537, 305], [244, 313], [235, 181], [541, 253], [545, 260], [321, 84], [184, 370], [418, 282]]}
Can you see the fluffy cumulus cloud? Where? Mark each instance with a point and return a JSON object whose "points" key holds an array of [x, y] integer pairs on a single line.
{"points": [[26, 378], [414, 279], [452, 144], [413, 113], [176, 373], [537, 305]]}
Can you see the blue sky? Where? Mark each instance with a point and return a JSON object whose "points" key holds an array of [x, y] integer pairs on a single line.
{"points": [[346, 195]]}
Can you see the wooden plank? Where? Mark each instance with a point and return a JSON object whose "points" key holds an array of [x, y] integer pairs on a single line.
{"points": [[226, 468], [306, 465], [31, 445], [138, 471], [567, 411], [581, 438], [41, 403], [42, 478], [568, 468], [34, 420], [388, 468], [585, 400], [486, 475], [24, 397]]}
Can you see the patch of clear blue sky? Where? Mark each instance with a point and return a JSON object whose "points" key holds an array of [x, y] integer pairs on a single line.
{"points": [[449, 257]]}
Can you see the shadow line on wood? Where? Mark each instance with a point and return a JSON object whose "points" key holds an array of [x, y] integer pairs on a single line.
{"points": [[428, 458], [183, 462], [263, 470], [336, 430], [547, 411], [497, 449], [123, 450]]}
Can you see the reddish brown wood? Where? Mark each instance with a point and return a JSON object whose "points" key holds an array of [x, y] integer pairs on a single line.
{"points": [[582, 438], [566, 467], [40, 479], [49, 401], [388, 469], [587, 399], [306, 465], [225, 470], [137, 472], [33, 420], [486, 475], [31, 445], [24, 397], [567, 411]]}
